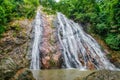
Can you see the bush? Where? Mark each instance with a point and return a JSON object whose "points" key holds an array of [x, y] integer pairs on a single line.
{"points": [[2, 15], [2, 29], [101, 29], [27, 8], [113, 41]]}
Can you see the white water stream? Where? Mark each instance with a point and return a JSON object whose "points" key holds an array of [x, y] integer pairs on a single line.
{"points": [[38, 29], [79, 49]]}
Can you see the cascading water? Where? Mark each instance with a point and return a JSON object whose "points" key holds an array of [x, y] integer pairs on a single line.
{"points": [[74, 48], [79, 50], [35, 63]]}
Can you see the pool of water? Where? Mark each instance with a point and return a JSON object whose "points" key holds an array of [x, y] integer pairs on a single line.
{"points": [[60, 74]]}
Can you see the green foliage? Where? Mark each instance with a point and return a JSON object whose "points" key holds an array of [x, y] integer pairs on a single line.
{"points": [[31, 2], [11, 9], [113, 41], [2, 29], [101, 29], [2, 15], [50, 6], [109, 11], [27, 8]]}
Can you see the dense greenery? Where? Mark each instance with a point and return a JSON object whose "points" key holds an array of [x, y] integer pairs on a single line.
{"points": [[12, 9], [102, 15]]}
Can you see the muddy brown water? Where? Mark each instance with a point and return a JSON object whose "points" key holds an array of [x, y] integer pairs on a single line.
{"points": [[60, 74]]}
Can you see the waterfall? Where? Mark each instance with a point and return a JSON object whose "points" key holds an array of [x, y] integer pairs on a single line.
{"points": [[79, 49], [35, 62]]}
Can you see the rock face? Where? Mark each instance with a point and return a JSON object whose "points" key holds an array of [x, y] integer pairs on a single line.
{"points": [[104, 75], [10, 70], [13, 48], [23, 74], [49, 49], [15, 42], [115, 58], [7, 68]]}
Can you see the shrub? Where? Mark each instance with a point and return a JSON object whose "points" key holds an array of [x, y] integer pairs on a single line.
{"points": [[2, 29], [113, 41], [101, 29]]}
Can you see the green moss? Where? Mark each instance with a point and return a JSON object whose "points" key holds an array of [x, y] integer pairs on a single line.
{"points": [[52, 63]]}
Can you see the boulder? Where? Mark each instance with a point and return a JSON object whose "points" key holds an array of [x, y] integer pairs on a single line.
{"points": [[103, 75]]}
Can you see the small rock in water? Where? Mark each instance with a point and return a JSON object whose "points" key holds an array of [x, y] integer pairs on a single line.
{"points": [[104, 75], [23, 74], [9, 70]]}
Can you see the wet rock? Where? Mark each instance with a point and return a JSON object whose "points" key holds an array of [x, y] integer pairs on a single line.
{"points": [[103, 75], [23, 74], [10, 70], [117, 63], [7, 68], [49, 49], [115, 58]]}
